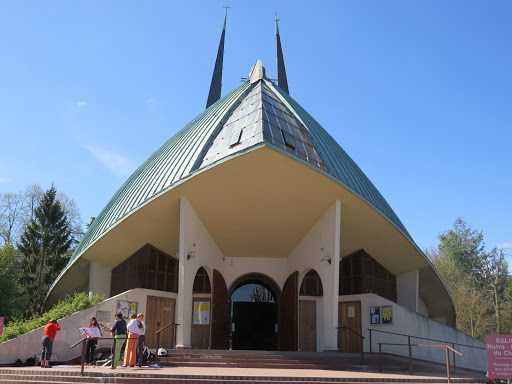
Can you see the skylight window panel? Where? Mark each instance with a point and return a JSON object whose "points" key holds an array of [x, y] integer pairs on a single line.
{"points": [[288, 139], [236, 137]]}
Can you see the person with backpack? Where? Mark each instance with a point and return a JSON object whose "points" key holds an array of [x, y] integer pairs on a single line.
{"points": [[49, 332], [140, 341]]}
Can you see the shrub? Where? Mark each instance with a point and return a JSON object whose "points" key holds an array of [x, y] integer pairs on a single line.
{"points": [[66, 307]]}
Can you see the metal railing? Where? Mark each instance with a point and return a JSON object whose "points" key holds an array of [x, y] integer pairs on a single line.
{"points": [[444, 347], [83, 343], [165, 327], [447, 345], [361, 337]]}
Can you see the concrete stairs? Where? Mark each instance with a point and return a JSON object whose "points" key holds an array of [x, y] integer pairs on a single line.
{"points": [[262, 359], [202, 367], [54, 376], [302, 360]]}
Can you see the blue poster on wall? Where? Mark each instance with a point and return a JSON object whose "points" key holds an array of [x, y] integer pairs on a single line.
{"points": [[374, 315]]}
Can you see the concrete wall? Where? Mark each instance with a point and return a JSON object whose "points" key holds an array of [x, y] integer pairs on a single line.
{"points": [[422, 308], [412, 323], [320, 250], [196, 249], [199, 249], [29, 344], [99, 279], [407, 285], [320, 244]]}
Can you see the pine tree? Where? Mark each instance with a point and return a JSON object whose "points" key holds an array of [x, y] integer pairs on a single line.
{"points": [[44, 244]]}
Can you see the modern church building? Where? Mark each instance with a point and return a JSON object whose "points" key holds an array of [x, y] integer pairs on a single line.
{"points": [[252, 228]]}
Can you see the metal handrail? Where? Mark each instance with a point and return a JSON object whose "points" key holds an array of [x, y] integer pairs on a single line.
{"points": [[354, 332], [443, 346], [410, 344], [159, 331], [424, 338], [83, 341]]}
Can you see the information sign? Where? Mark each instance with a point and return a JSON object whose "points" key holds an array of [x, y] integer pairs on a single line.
{"points": [[499, 356]]}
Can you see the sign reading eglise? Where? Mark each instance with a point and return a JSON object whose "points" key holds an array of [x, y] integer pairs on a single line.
{"points": [[499, 356]]}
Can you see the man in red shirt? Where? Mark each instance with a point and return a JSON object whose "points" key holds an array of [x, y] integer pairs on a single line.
{"points": [[49, 333]]}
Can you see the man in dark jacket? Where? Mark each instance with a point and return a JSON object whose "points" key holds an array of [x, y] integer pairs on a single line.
{"points": [[119, 334]]}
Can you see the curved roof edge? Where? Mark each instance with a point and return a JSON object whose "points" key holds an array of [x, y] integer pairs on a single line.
{"points": [[180, 156]]}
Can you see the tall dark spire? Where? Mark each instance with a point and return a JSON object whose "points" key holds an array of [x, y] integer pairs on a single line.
{"points": [[216, 84], [282, 81]]}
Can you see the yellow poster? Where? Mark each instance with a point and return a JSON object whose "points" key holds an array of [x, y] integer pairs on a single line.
{"points": [[201, 315], [387, 314]]}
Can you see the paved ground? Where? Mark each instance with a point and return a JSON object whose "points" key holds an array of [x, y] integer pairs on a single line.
{"points": [[252, 372]]}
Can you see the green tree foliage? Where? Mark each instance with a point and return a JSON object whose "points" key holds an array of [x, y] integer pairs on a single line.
{"points": [[494, 278], [17, 209], [66, 307], [463, 246], [478, 280], [45, 245], [11, 292]]}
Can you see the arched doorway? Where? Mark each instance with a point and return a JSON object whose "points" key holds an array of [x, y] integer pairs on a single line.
{"points": [[310, 292], [201, 310], [254, 312]]}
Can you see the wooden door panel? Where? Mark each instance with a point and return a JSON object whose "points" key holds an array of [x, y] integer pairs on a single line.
{"points": [[307, 325], [200, 334], [159, 313], [288, 313], [220, 312], [349, 316]]}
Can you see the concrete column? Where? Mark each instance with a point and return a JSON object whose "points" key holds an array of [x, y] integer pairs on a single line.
{"points": [[331, 287], [185, 279], [99, 279], [407, 288]]}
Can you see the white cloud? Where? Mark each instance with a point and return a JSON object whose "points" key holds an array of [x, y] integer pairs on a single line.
{"points": [[81, 104], [4, 180], [113, 161]]}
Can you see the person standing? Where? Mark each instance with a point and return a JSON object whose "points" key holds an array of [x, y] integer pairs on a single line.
{"points": [[49, 332], [140, 341], [92, 341], [119, 334], [131, 343]]}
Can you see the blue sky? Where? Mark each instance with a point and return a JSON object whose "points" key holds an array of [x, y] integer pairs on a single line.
{"points": [[417, 92]]}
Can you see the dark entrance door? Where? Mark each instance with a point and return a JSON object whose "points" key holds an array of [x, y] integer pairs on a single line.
{"points": [[254, 314], [254, 325]]}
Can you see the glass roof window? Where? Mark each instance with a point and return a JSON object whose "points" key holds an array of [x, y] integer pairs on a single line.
{"points": [[283, 130], [242, 128]]}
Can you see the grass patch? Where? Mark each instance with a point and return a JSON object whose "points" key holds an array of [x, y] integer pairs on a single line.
{"points": [[66, 307]]}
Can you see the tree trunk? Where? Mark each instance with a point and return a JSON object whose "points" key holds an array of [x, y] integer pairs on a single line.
{"points": [[497, 308]]}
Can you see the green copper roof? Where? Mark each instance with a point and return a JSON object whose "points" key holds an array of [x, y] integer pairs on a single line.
{"points": [[256, 112]]}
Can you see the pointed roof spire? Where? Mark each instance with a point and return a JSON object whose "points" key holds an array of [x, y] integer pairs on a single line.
{"points": [[257, 72], [216, 84], [282, 81]]}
